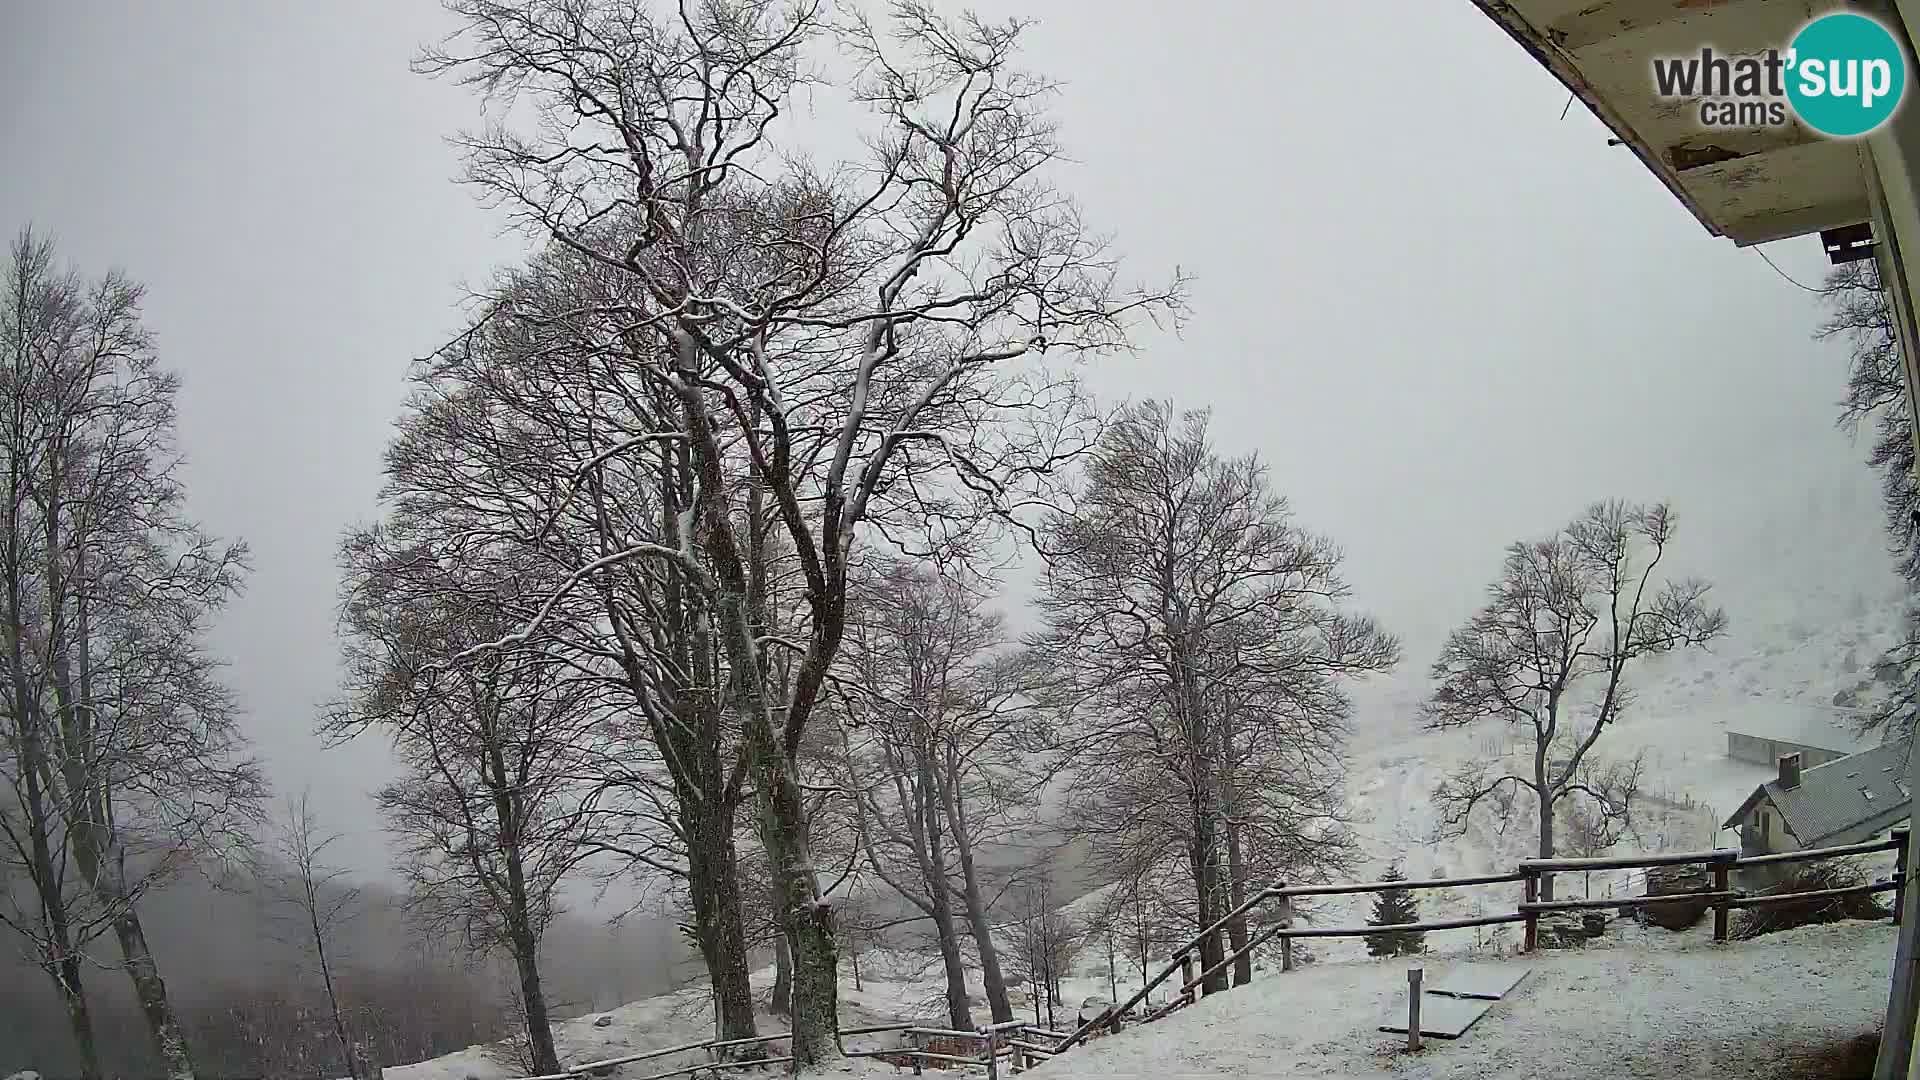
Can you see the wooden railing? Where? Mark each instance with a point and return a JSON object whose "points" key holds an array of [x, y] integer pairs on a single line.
{"points": [[1722, 897]]}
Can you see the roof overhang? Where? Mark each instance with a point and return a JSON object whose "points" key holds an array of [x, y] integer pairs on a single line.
{"points": [[1751, 185]]}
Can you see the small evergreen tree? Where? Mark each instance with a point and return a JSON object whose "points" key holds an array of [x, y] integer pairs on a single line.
{"points": [[1393, 907]]}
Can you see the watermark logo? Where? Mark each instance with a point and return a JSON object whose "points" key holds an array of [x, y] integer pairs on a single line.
{"points": [[1843, 75]]}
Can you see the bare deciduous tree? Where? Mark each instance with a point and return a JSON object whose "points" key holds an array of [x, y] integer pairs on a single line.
{"points": [[1046, 944], [489, 805], [852, 344], [1549, 653], [122, 751], [1197, 646], [934, 756], [319, 900]]}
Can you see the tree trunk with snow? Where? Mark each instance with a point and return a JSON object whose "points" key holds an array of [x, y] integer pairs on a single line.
{"points": [[713, 885], [168, 1039], [522, 938], [991, 976], [940, 897]]}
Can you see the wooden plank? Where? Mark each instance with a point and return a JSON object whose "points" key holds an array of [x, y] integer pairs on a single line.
{"points": [[1625, 901], [1764, 899], [1630, 862], [1842, 850], [1362, 931], [1383, 886]]}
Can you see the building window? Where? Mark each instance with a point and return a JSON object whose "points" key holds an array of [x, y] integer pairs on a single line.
{"points": [[1766, 825]]}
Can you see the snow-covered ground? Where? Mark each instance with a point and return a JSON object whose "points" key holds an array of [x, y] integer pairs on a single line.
{"points": [[1644, 1004]]}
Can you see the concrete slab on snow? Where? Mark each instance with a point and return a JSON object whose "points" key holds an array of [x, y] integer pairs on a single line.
{"points": [[1441, 1016], [1489, 981]]}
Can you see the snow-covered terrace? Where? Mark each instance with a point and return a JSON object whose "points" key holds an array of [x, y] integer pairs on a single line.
{"points": [[1637, 1004]]}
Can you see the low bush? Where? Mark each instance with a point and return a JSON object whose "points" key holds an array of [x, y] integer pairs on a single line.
{"points": [[1810, 877]]}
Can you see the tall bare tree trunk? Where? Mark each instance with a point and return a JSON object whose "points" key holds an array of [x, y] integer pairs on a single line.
{"points": [[1237, 935], [95, 849], [940, 897], [521, 937], [991, 976], [713, 882], [169, 1040], [353, 1060], [1204, 852], [780, 1002], [707, 802], [1204, 848], [62, 959], [1544, 790], [1237, 895], [62, 963], [801, 910]]}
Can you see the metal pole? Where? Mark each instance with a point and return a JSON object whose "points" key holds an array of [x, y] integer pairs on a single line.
{"points": [[1413, 1008]]}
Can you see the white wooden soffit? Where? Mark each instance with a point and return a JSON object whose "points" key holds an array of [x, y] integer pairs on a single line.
{"points": [[1750, 185]]}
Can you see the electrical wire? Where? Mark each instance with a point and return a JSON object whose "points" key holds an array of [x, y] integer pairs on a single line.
{"points": [[1784, 275]]}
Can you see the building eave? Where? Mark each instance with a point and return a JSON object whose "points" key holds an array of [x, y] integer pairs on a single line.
{"points": [[1751, 185]]}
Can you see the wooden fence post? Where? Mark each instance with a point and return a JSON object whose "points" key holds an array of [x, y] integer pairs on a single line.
{"points": [[993, 1059], [913, 1040], [1531, 893], [1722, 862], [1413, 1008], [1286, 940], [1186, 976], [1899, 873]]}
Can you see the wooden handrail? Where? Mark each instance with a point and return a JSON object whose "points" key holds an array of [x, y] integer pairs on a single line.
{"points": [[1363, 931], [1624, 902], [1867, 848], [1628, 862], [1245, 950], [1383, 886], [1763, 899], [1219, 924]]}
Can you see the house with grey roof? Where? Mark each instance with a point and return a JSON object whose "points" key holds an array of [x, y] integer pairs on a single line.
{"points": [[1844, 801]]}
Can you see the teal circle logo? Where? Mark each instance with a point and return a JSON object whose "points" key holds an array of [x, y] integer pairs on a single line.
{"points": [[1846, 74]]}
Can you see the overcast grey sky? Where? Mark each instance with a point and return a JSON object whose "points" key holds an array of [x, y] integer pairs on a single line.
{"points": [[1447, 317]]}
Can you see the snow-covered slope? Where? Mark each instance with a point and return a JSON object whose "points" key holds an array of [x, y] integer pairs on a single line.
{"points": [[1648, 1005]]}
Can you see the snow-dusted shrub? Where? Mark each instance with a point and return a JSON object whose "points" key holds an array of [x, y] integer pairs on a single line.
{"points": [[1810, 877]]}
